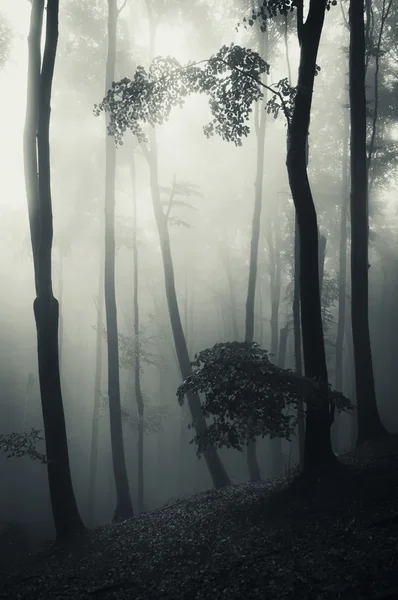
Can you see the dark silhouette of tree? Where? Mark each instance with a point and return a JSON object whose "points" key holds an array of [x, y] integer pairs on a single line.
{"points": [[124, 508], [46, 308], [369, 423]]}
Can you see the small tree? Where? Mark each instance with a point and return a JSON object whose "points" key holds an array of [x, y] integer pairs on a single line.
{"points": [[248, 396]]}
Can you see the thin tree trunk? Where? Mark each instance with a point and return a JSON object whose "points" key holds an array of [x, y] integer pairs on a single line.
{"points": [[341, 319], [252, 462], [92, 480], [318, 453], [297, 342], [224, 252], [137, 373], [276, 443], [46, 309], [275, 266], [284, 334], [321, 260], [217, 471], [61, 297], [123, 509], [342, 258], [216, 468], [369, 423]]}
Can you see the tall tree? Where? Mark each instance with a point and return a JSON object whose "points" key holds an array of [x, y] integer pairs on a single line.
{"points": [[369, 423], [124, 507], [318, 454], [216, 468], [92, 480], [137, 367], [46, 309], [260, 122]]}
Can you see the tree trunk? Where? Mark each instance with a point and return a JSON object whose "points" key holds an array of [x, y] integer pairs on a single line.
{"points": [[275, 267], [284, 334], [92, 480], [317, 447], [137, 374], [224, 252], [216, 468], [276, 443], [217, 471], [369, 423], [46, 309], [321, 260], [342, 275], [124, 507], [252, 462], [297, 342]]}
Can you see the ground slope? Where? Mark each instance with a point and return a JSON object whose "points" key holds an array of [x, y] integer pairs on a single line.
{"points": [[340, 540]]}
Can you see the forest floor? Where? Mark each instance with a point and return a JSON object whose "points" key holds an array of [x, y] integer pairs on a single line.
{"points": [[252, 541]]}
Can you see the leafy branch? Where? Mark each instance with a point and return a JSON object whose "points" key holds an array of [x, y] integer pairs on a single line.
{"points": [[18, 445], [247, 396], [231, 79]]}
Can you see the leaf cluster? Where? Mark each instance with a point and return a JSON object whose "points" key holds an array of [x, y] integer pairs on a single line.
{"points": [[231, 79], [248, 396], [18, 445]]}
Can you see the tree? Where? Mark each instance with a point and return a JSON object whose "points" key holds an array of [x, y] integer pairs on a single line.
{"points": [[97, 397], [247, 395], [232, 79], [124, 508], [137, 374], [318, 453], [260, 123], [46, 308], [369, 423]]}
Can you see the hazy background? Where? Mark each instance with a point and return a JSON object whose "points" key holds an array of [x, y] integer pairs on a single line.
{"points": [[219, 225]]}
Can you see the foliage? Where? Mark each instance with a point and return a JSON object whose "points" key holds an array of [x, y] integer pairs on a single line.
{"points": [[270, 9], [247, 395], [18, 445], [231, 78]]}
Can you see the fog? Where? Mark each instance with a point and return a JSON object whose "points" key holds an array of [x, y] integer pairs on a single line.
{"points": [[210, 242]]}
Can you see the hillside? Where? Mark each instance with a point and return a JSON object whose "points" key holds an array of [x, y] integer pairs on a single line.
{"points": [[249, 541]]}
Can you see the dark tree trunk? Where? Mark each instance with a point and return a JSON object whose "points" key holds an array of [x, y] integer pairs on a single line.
{"points": [[46, 309], [321, 260], [92, 478], [296, 294], [124, 507], [137, 373], [297, 342], [369, 423], [317, 448]]}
